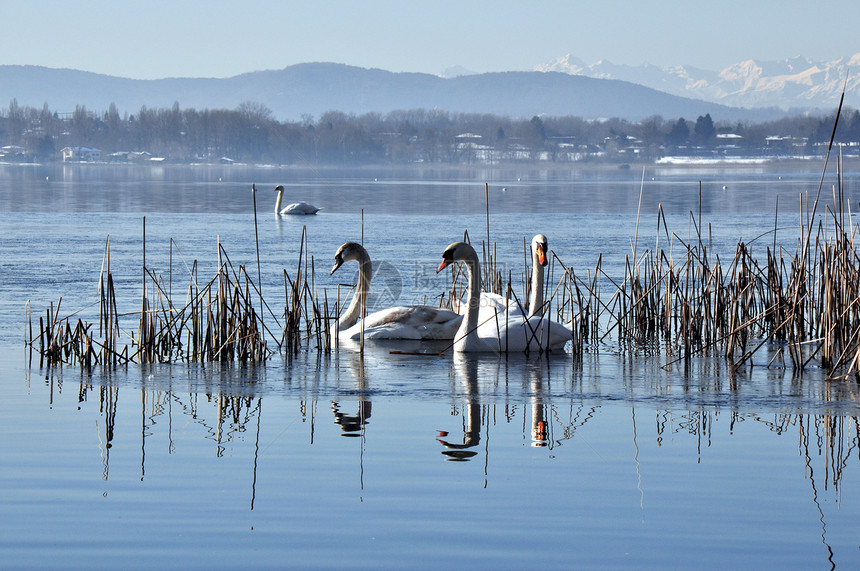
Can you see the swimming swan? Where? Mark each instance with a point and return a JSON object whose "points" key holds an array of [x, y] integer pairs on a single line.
{"points": [[504, 332], [294, 208], [401, 322]]}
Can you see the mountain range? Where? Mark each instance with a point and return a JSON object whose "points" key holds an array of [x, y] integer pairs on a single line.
{"points": [[567, 87], [797, 83]]}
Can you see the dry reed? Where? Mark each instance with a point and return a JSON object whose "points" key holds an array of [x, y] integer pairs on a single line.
{"points": [[678, 299]]}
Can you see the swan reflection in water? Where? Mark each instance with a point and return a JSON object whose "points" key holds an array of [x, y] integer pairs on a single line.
{"points": [[353, 425], [471, 373], [540, 436], [466, 374]]}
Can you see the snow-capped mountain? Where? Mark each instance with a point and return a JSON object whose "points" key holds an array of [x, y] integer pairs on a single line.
{"points": [[792, 83]]}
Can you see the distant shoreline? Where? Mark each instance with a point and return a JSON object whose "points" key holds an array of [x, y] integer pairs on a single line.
{"points": [[673, 160]]}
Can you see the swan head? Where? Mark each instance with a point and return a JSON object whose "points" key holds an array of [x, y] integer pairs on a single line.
{"points": [[349, 251], [540, 248], [455, 252], [279, 188]]}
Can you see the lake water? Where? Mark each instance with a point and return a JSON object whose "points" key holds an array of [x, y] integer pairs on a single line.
{"points": [[393, 460]]}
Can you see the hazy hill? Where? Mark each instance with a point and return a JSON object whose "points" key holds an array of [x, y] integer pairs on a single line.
{"points": [[315, 88]]}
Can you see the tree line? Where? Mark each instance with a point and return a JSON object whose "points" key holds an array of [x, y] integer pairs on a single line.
{"points": [[250, 133]]}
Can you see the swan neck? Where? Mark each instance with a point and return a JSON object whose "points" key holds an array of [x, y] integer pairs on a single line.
{"points": [[473, 299], [359, 300], [278, 201], [536, 297]]}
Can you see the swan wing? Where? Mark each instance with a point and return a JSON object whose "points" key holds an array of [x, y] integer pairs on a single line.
{"points": [[392, 330], [445, 330], [413, 315], [300, 208], [491, 300], [492, 304], [407, 322], [381, 331], [521, 334], [549, 334]]}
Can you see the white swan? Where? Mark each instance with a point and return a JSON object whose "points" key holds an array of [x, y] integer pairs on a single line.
{"points": [[401, 322], [294, 208], [506, 332]]}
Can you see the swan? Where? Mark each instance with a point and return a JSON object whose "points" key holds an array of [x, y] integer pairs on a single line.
{"points": [[401, 322], [294, 208], [505, 333]]}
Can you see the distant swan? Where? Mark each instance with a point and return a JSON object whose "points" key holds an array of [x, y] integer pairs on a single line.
{"points": [[294, 208], [401, 322], [507, 333]]}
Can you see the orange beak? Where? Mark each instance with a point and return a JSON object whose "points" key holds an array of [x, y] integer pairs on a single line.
{"points": [[443, 265], [541, 256]]}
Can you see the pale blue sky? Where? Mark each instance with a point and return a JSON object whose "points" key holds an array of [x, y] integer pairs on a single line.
{"points": [[150, 39]]}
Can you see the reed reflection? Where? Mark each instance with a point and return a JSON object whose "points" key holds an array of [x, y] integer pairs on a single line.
{"points": [[827, 444], [221, 401], [223, 404]]}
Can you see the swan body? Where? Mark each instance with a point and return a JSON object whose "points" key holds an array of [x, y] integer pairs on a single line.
{"points": [[400, 322], [504, 332], [406, 322], [294, 208]]}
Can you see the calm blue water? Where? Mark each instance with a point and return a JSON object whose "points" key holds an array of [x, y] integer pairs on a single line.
{"points": [[403, 460]]}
